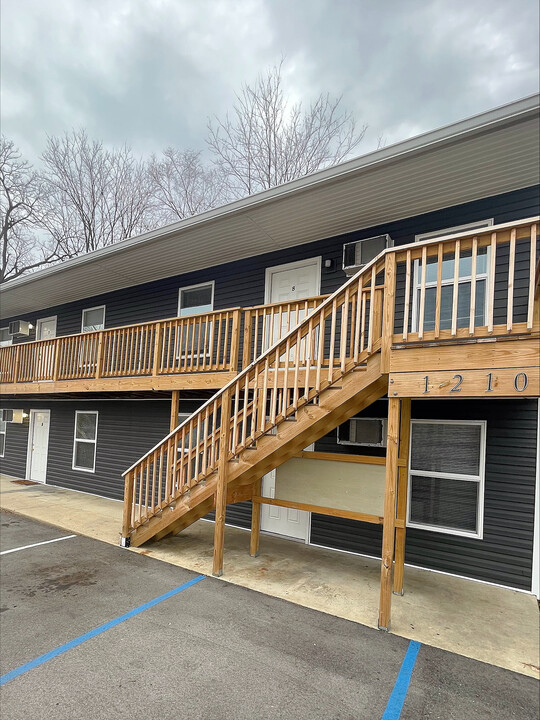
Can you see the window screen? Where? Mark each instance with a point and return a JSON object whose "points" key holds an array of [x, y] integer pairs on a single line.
{"points": [[195, 300], [446, 476], [3, 428]]}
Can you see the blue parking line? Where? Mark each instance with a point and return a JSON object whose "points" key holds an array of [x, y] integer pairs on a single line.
{"points": [[93, 633], [399, 693]]}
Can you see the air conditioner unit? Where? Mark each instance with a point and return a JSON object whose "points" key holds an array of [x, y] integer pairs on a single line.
{"points": [[358, 253], [19, 328], [13, 416]]}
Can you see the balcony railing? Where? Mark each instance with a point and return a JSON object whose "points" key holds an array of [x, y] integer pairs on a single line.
{"points": [[466, 286]]}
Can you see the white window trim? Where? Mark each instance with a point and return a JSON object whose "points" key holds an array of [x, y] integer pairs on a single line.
{"points": [[5, 343], [97, 307], [480, 479], [478, 225], [4, 433], [193, 287], [78, 440], [355, 444]]}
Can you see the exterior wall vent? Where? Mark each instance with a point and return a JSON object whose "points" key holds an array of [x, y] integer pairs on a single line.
{"points": [[358, 253]]}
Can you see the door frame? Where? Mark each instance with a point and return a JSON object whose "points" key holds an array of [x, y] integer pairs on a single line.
{"points": [[30, 438], [316, 261], [46, 319]]}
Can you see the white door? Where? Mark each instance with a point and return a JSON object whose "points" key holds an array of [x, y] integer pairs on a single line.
{"points": [[279, 520], [45, 330], [284, 283], [38, 445]]}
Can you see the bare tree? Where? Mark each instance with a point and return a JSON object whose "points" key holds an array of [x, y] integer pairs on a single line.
{"points": [[94, 196], [183, 186], [21, 196], [268, 140]]}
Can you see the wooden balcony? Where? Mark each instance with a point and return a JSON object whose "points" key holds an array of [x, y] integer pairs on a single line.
{"points": [[428, 303]]}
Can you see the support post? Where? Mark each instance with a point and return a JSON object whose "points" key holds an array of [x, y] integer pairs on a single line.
{"points": [[175, 408], [16, 369], [158, 332], [248, 333], [235, 341], [388, 309], [99, 356], [221, 492], [387, 559], [255, 520], [401, 513], [128, 503]]}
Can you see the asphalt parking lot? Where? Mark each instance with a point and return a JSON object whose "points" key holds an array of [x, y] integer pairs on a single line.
{"points": [[91, 630]]}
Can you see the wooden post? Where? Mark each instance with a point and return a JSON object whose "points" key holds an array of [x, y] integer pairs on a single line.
{"points": [[403, 473], [255, 520], [99, 356], [387, 559], [175, 405], [248, 333], [235, 341], [221, 492], [56, 365], [157, 348], [128, 502], [16, 369], [389, 299]]}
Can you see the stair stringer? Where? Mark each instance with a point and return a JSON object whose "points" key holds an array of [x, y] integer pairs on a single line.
{"points": [[352, 393]]}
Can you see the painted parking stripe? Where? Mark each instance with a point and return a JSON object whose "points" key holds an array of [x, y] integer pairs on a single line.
{"points": [[399, 693], [93, 633], [45, 542]]}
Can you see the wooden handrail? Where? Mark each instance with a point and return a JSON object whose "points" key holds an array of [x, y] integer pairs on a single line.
{"points": [[301, 348]]}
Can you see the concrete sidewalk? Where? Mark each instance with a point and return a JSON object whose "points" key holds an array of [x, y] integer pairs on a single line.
{"points": [[495, 625]]}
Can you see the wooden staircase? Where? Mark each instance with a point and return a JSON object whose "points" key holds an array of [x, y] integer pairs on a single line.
{"points": [[333, 364], [324, 371]]}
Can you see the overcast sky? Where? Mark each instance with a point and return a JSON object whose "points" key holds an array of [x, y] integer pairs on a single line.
{"points": [[150, 72]]}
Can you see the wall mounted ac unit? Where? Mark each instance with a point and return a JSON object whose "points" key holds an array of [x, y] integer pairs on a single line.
{"points": [[12, 416], [358, 253], [19, 328]]}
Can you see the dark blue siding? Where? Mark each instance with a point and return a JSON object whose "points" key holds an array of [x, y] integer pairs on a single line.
{"points": [[242, 283], [504, 555]]}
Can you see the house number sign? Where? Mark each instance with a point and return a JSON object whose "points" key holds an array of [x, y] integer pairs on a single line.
{"points": [[506, 382]]}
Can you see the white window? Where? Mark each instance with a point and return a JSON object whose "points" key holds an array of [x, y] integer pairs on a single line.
{"points": [[85, 441], [446, 476], [3, 430], [5, 337], [447, 282], [196, 299], [370, 432], [93, 319]]}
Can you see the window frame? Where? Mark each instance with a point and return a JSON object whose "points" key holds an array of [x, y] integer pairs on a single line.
{"points": [[212, 284], [3, 431], [96, 307], [454, 230], [84, 440], [382, 420], [6, 343], [480, 479]]}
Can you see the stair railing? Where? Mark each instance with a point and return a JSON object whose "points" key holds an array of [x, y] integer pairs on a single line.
{"points": [[330, 341]]}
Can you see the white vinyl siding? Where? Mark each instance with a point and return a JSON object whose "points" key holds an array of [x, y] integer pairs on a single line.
{"points": [[85, 441], [446, 476]]}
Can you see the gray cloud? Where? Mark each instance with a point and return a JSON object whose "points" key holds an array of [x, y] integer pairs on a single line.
{"points": [[150, 73]]}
